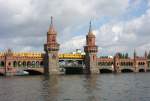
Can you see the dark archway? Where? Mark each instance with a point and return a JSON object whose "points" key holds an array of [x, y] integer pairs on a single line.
{"points": [[24, 64], [37, 64], [41, 64], [33, 72], [33, 64], [28, 64], [141, 70], [15, 64], [1, 74], [126, 70], [73, 70], [105, 71], [19, 64], [148, 70], [2, 63]]}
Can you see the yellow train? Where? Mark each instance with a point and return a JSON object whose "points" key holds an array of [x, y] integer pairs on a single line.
{"points": [[71, 56], [40, 55]]}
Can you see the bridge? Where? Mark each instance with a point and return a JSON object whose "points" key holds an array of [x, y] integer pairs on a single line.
{"points": [[110, 65], [33, 62]]}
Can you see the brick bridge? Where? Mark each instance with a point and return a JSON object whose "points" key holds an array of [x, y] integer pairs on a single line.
{"points": [[52, 62], [33, 62]]}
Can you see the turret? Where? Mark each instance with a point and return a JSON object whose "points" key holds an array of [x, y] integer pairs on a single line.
{"points": [[91, 53], [134, 54], [51, 48], [145, 55]]}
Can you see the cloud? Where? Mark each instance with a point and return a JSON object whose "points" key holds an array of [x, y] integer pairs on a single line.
{"points": [[125, 36], [24, 24], [74, 43]]}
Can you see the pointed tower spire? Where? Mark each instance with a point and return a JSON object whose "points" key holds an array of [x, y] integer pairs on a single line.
{"points": [[51, 25], [90, 29], [51, 28], [148, 55], [134, 53], [145, 54]]}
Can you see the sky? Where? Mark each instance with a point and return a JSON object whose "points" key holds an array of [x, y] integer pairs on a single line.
{"points": [[119, 25]]}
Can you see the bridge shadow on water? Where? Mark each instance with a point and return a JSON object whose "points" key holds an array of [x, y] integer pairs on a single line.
{"points": [[33, 72], [1, 74], [102, 71], [73, 70], [141, 70], [126, 71]]}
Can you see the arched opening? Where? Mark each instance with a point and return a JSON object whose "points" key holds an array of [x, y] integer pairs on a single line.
{"points": [[24, 64], [126, 70], [2, 64], [33, 64], [141, 70], [19, 64], [15, 64], [105, 71], [73, 70], [148, 70], [9, 64], [28, 64], [41, 64], [33, 72], [37, 64]]}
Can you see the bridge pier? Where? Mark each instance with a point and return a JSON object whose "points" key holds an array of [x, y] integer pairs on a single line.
{"points": [[51, 48], [91, 65]]}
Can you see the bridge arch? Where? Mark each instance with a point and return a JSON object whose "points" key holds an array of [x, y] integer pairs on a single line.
{"points": [[105, 70], [141, 70], [33, 72], [1, 74], [127, 70], [41, 63]]}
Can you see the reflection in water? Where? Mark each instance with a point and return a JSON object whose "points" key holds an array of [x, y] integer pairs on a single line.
{"points": [[50, 88], [106, 87], [90, 85]]}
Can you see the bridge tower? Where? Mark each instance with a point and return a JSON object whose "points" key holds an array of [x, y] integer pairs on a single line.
{"points": [[91, 50], [8, 63], [146, 63], [116, 63], [135, 63], [51, 48]]}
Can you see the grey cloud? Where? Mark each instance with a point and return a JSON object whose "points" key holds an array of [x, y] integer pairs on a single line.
{"points": [[134, 35], [24, 23]]}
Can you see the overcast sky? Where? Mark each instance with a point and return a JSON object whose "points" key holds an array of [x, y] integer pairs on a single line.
{"points": [[119, 25]]}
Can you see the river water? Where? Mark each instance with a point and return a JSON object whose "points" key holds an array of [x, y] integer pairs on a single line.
{"points": [[104, 87]]}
